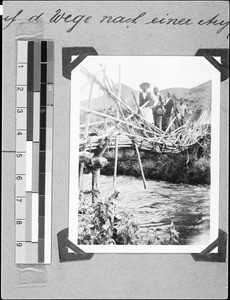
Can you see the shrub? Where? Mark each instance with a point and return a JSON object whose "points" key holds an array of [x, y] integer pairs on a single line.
{"points": [[100, 224], [175, 169], [200, 171]]}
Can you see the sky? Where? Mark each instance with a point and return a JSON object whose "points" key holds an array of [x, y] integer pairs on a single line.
{"points": [[161, 71]]}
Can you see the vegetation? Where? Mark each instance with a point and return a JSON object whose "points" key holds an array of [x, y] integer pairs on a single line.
{"points": [[100, 224], [174, 168]]}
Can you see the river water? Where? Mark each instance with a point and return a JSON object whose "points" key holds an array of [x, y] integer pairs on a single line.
{"points": [[187, 206]]}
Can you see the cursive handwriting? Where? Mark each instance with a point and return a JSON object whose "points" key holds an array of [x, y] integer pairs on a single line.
{"points": [[11, 19], [60, 16], [168, 21], [214, 21], [122, 19], [68, 18]]}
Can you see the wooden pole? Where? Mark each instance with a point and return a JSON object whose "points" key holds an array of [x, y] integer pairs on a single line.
{"points": [[180, 128], [104, 98], [86, 133], [119, 83], [98, 173], [93, 192], [137, 105], [145, 134], [169, 126], [115, 162], [116, 143], [140, 164], [116, 89], [88, 116]]}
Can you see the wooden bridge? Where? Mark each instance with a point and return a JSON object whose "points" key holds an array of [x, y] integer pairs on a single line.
{"points": [[125, 127]]}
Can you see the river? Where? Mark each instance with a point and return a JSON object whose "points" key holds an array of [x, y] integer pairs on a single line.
{"points": [[188, 206]]}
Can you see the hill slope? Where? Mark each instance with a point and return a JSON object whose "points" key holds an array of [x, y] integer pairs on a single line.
{"points": [[198, 97]]}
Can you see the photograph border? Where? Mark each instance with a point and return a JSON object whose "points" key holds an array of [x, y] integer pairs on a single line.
{"points": [[214, 186]]}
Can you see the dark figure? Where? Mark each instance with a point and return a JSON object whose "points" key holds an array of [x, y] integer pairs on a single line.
{"points": [[169, 104], [158, 107], [182, 111]]}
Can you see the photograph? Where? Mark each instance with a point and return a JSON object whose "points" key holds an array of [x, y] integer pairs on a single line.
{"points": [[144, 148]]}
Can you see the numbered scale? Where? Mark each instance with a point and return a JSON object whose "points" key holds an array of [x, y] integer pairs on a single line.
{"points": [[34, 121]]}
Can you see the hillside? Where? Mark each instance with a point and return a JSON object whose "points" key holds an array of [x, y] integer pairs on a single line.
{"points": [[198, 97], [203, 94], [176, 91]]}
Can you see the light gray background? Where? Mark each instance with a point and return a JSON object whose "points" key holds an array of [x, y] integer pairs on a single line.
{"points": [[123, 276]]}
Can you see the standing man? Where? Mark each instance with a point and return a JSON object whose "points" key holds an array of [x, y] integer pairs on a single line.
{"points": [[169, 104], [158, 107], [182, 110], [146, 102]]}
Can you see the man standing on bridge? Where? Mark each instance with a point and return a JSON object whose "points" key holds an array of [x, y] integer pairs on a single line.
{"points": [[183, 111], [169, 104], [158, 107], [146, 102]]}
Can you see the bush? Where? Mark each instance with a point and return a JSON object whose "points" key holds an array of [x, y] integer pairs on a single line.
{"points": [[200, 171], [175, 169], [100, 224]]}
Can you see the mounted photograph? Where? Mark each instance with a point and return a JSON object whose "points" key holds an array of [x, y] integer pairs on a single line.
{"points": [[144, 154]]}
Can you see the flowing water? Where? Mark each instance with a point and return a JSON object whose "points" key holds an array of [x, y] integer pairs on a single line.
{"points": [[187, 206]]}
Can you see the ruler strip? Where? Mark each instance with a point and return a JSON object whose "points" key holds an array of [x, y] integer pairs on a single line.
{"points": [[36, 123], [37, 62], [28, 234], [42, 155], [49, 145], [29, 161], [48, 181], [34, 233], [34, 120], [21, 102]]}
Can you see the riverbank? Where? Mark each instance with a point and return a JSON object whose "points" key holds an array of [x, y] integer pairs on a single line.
{"points": [[175, 168]]}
